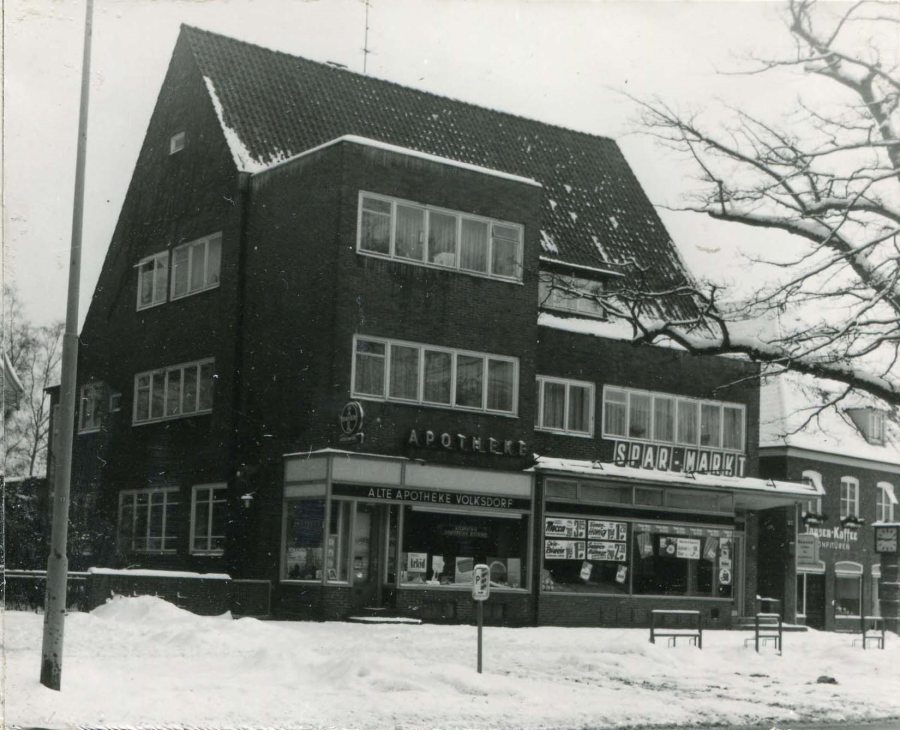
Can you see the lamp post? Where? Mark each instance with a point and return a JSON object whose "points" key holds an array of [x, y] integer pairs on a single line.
{"points": [[58, 562]]}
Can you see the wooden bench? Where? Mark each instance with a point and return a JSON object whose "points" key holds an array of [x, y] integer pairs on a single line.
{"points": [[693, 634], [871, 629], [768, 628]]}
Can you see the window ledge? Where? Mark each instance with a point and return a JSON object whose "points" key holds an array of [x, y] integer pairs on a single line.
{"points": [[438, 267], [556, 432], [82, 432], [151, 306], [436, 406], [457, 587], [150, 421], [208, 553], [620, 596]]}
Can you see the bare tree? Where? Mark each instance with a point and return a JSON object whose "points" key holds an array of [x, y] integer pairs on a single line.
{"points": [[826, 173], [35, 352]]}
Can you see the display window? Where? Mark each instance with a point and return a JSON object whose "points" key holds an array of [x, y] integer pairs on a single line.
{"points": [[623, 557], [441, 548], [847, 596], [304, 533]]}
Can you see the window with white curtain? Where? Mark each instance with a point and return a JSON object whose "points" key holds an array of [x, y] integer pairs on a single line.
{"points": [[849, 497], [415, 373], [195, 265], [153, 280], [431, 236], [665, 418], [565, 406]]}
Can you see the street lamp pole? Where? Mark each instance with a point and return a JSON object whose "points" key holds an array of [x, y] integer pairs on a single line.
{"points": [[57, 562]]}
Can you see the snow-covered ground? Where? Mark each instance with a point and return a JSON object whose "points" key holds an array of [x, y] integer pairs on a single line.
{"points": [[141, 661]]}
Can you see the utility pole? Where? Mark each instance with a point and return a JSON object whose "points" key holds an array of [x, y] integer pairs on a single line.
{"points": [[58, 563]]}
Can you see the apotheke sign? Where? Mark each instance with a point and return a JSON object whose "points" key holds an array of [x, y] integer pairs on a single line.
{"points": [[430, 496], [678, 459], [466, 443]]}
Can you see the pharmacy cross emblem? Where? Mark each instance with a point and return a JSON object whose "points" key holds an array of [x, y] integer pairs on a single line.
{"points": [[352, 416]]}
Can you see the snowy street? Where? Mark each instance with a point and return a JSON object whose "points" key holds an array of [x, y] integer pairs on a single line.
{"points": [[141, 661]]}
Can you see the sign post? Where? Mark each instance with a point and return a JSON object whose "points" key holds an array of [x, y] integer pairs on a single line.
{"points": [[887, 546], [481, 590]]}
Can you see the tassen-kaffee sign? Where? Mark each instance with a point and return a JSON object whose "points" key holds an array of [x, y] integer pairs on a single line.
{"points": [[678, 459]]}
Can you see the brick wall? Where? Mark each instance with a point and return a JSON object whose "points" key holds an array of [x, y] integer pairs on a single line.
{"points": [[626, 612]]}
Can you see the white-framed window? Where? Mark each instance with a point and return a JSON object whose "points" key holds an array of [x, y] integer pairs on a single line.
{"points": [[849, 497], [209, 506], [115, 402], [431, 236], [666, 418], [176, 142], [565, 406], [570, 294], [885, 501], [149, 520], [409, 372], [196, 265], [876, 427], [848, 589], [814, 504], [90, 407], [153, 280], [174, 392]]}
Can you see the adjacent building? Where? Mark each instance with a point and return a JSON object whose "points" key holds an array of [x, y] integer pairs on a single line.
{"points": [[346, 340], [851, 450]]}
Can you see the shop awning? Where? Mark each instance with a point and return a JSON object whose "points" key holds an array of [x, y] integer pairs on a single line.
{"points": [[749, 492]]}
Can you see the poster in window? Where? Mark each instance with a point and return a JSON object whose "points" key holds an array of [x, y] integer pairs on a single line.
{"points": [[668, 546], [621, 574], [464, 568], [586, 569], [417, 562], [602, 530], [645, 546], [437, 564], [563, 527], [688, 548], [710, 549], [563, 550], [613, 552]]}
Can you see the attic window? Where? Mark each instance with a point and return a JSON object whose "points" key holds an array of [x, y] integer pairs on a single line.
{"points": [[176, 143], [570, 294], [870, 422]]}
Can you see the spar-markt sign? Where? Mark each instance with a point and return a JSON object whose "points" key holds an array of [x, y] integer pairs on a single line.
{"points": [[678, 459]]}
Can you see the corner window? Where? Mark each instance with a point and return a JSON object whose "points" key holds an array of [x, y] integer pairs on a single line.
{"points": [[208, 515], [565, 406], [153, 280], [149, 520], [304, 557], [431, 236], [849, 497], [884, 506], [90, 407], [195, 265], [179, 391], [570, 294], [413, 373], [176, 143]]}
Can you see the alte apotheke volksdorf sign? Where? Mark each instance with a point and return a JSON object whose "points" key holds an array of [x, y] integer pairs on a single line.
{"points": [[466, 443], [678, 459]]}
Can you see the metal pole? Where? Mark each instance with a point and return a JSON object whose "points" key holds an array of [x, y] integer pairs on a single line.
{"points": [[57, 562], [480, 625]]}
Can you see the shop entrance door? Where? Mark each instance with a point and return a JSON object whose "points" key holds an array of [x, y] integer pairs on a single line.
{"points": [[815, 601], [367, 555]]}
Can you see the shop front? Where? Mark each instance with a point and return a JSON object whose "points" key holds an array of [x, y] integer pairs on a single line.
{"points": [[618, 542], [367, 534]]}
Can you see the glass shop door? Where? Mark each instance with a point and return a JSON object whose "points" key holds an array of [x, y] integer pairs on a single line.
{"points": [[368, 546]]}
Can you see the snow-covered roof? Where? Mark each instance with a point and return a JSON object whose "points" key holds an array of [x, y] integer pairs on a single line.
{"points": [[627, 473], [611, 329], [579, 267], [147, 573], [791, 414], [273, 106]]}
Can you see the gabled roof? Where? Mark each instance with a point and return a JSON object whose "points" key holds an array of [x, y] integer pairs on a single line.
{"points": [[273, 106]]}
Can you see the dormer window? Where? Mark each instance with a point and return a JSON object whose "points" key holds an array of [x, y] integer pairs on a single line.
{"points": [[176, 143], [870, 422], [570, 294]]}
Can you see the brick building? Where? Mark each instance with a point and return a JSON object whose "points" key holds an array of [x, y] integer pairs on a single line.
{"points": [[344, 341], [851, 450]]}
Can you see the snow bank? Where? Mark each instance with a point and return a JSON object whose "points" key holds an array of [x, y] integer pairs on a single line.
{"points": [[140, 661]]}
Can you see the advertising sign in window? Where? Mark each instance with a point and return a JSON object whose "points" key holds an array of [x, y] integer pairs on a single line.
{"points": [[564, 527], [563, 550], [602, 530], [607, 551]]}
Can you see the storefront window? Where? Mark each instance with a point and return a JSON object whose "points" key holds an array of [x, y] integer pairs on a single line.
{"points": [[599, 564], [442, 548], [303, 558], [682, 561], [847, 594]]}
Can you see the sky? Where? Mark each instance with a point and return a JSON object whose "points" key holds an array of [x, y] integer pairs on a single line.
{"points": [[569, 63]]}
